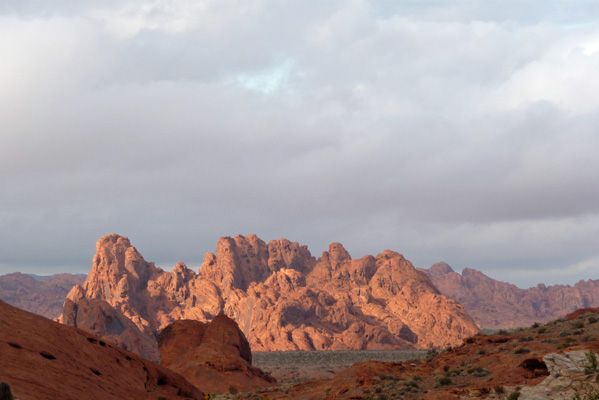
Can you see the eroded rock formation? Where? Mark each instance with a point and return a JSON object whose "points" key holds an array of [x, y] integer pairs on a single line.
{"points": [[281, 297], [42, 297], [42, 359], [495, 304], [214, 357]]}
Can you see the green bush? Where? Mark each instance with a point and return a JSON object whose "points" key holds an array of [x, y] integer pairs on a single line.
{"points": [[444, 381], [514, 396], [233, 389], [522, 350]]}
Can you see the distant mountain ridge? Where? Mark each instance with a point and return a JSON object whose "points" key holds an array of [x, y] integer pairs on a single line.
{"points": [[496, 304], [39, 296], [281, 297]]}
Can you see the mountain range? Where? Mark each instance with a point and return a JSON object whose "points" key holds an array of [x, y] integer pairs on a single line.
{"points": [[280, 295]]}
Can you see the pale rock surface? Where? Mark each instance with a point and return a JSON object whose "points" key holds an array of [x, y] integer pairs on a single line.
{"points": [[282, 297], [566, 373]]}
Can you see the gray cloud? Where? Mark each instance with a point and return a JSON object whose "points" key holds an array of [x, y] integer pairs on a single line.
{"points": [[446, 132]]}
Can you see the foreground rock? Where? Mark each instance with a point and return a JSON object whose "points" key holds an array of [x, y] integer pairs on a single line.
{"points": [[215, 357], [281, 297], [568, 372], [495, 304], [42, 359], [42, 297]]}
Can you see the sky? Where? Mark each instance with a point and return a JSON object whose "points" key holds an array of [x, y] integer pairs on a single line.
{"points": [[457, 131]]}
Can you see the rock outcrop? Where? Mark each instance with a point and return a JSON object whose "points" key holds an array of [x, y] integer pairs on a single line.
{"points": [[42, 359], [281, 297], [495, 304], [214, 357], [567, 375], [42, 297]]}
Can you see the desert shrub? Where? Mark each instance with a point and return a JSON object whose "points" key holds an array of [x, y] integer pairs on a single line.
{"points": [[542, 330], [233, 389], [569, 340], [449, 349], [499, 390], [416, 378], [444, 381], [522, 350], [525, 339], [502, 332], [481, 352], [565, 333], [578, 324], [446, 368], [535, 325], [387, 377], [551, 341], [588, 338], [431, 354], [592, 320], [514, 396], [577, 332], [591, 365], [161, 398], [378, 390], [411, 384]]}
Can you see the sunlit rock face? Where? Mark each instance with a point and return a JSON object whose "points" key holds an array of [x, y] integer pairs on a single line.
{"points": [[281, 296], [212, 356]]}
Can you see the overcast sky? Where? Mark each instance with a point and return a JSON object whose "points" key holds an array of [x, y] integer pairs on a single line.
{"points": [[457, 131]]}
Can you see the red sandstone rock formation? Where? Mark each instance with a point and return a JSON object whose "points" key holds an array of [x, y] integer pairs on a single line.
{"points": [[214, 357], [42, 359], [495, 304], [282, 297], [43, 297]]}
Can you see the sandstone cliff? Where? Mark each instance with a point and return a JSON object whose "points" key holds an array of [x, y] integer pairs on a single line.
{"points": [[42, 359], [281, 296], [214, 357], [495, 304], [43, 297]]}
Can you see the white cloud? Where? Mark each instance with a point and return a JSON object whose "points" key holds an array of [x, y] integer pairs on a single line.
{"points": [[442, 131]]}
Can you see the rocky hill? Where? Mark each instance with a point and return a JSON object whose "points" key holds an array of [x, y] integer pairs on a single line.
{"points": [[42, 297], [280, 295], [495, 304], [550, 361], [42, 359]]}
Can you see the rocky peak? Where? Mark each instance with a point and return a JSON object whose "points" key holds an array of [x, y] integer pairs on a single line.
{"points": [[285, 254], [440, 268], [337, 253], [117, 268]]}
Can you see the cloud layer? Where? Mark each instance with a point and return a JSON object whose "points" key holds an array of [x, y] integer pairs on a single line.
{"points": [[464, 133]]}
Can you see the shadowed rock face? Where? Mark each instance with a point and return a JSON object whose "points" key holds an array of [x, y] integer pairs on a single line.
{"points": [[42, 297], [282, 297], [495, 304], [212, 356], [42, 359]]}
